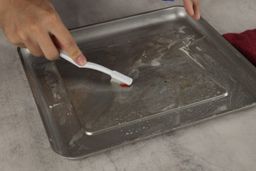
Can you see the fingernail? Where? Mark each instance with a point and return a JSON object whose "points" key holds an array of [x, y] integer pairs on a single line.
{"points": [[81, 60]]}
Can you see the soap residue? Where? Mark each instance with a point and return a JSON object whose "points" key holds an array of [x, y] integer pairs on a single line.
{"points": [[185, 48], [156, 62], [181, 29], [140, 63]]}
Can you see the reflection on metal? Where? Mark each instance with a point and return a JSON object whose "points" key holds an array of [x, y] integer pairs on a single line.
{"points": [[78, 13]]}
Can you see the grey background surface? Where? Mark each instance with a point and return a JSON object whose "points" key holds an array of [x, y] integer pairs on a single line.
{"points": [[225, 143]]}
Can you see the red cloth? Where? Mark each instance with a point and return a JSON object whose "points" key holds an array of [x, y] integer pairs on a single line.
{"points": [[245, 42]]}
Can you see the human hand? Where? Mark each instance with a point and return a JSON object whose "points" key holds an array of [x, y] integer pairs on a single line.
{"points": [[193, 8], [35, 24]]}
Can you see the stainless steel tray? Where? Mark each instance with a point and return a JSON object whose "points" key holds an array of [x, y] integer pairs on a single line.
{"points": [[184, 72]]}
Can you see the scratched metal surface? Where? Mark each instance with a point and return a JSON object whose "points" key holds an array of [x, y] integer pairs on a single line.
{"points": [[184, 72], [165, 77]]}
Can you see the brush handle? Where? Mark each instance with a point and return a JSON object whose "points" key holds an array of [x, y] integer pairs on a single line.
{"points": [[118, 77], [88, 65]]}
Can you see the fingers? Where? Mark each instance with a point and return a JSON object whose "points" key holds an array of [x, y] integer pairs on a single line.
{"points": [[193, 8], [66, 42], [188, 4], [27, 43], [33, 48], [196, 7], [47, 46]]}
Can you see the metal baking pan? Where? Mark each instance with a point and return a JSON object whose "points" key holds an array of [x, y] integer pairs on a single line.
{"points": [[183, 71]]}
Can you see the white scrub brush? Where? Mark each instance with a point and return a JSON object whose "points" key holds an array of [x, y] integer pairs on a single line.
{"points": [[116, 77]]}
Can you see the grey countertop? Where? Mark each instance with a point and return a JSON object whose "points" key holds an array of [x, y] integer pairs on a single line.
{"points": [[225, 143]]}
